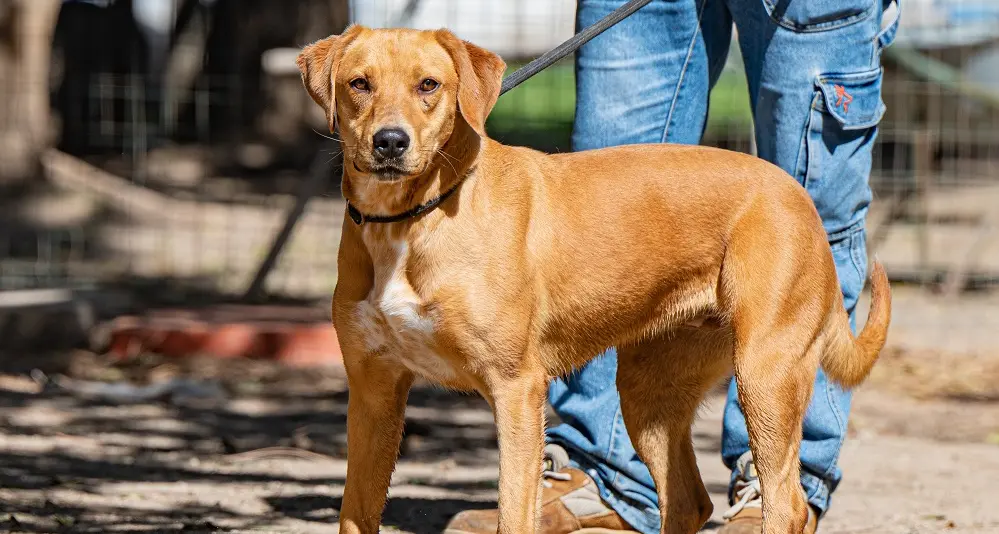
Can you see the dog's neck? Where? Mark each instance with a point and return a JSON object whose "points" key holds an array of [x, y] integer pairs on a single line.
{"points": [[453, 162]]}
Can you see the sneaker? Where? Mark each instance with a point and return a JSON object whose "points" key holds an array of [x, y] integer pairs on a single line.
{"points": [[570, 504], [746, 515]]}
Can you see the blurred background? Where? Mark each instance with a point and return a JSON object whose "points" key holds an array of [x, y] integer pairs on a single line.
{"points": [[167, 189], [155, 147]]}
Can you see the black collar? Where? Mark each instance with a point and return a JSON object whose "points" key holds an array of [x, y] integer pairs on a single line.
{"points": [[360, 218]]}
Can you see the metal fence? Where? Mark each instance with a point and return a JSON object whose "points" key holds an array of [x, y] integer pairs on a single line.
{"points": [[175, 162]]}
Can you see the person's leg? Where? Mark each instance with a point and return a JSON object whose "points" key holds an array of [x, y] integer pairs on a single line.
{"points": [[646, 80], [815, 84]]}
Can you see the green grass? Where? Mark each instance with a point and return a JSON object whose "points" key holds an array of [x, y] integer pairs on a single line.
{"points": [[540, 111], [729, 105], [549, 96]]}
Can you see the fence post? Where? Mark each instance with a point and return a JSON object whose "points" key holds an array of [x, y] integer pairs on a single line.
{"points": [[922, 167]]}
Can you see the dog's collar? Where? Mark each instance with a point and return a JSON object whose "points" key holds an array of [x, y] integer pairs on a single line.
{"points": [[360, 219]]}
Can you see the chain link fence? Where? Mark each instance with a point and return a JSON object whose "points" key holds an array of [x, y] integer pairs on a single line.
{"points": [[177, 138]]}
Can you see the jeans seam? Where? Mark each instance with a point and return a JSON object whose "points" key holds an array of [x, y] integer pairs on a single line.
{"points": [[813, 492], [830, 397], [818, 494], [846, 233], [683, 72], [613, 434], [839, 423], [876, 49], [855, 250], [820, 27], [805, 147], [891, 28]]}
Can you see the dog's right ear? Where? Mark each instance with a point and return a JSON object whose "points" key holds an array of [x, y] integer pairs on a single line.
{"points": [[318, 63]]}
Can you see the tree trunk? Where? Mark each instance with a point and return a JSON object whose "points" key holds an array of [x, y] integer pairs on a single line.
{"points": [[26, 29]]}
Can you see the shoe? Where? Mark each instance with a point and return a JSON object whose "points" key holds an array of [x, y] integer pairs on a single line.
{"points": [[570, 504], [746, 515]]}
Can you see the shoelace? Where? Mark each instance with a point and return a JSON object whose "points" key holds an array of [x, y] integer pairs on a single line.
{"points": [[550, 472], [749, 495]]}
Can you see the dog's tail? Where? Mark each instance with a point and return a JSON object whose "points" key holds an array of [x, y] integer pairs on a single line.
{"points": [[848, 359]]}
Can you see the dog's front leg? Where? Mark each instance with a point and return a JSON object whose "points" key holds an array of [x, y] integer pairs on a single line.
{"points": [[519, 404], [375, 415]]}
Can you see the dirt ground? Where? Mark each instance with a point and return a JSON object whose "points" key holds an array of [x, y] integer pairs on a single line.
{"points": [[254, 447]]}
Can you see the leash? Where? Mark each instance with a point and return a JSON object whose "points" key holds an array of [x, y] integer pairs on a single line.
{"points": [[571, 45], [520, 76], [318, 174]]}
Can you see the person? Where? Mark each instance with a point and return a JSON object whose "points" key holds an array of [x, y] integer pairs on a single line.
{"points": [[814, 76]]}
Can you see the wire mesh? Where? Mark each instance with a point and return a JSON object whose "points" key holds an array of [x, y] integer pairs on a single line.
{"points": [[175, 166]]}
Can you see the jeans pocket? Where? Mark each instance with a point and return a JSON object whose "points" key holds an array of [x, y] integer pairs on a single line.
{"points": [[854, 100], [819, 15], [888, 32], [846, 109]]}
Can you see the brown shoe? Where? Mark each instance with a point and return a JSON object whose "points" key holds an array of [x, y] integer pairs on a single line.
{"points": [[746, 514], [570, 504], [749, 520]]}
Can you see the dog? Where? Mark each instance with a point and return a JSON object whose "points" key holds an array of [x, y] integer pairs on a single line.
{"points": [[491, 268]]}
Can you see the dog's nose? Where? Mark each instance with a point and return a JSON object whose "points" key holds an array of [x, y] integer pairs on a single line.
{"points": [[391, 142]]}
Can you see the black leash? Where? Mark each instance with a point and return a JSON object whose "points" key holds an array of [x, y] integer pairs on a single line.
{"points": [[546, 60], [571, 45]]}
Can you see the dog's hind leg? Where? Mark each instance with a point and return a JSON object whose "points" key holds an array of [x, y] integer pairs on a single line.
{"points": [[662, 383], [775, 385], [778, 306]]}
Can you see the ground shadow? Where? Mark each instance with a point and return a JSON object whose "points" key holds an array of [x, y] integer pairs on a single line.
{"points": [[170, 442], [419, 516], [59, 443], [52, 517]]}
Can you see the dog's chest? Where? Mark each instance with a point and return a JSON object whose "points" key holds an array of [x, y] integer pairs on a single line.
{"points": [[394, 320]]}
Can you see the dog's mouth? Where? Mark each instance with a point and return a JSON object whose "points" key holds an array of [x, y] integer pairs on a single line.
{"points": [[388, 171]]}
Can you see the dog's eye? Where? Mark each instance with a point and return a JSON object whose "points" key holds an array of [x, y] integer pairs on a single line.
{"points": [[428, 85], [360, 84]]}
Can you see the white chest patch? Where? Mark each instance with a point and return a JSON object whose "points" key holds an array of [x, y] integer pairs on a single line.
{"points": [[394, 320]]}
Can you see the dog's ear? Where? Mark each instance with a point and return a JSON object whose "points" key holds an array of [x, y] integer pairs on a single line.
{"points": [[318, 63], [480, 75]]}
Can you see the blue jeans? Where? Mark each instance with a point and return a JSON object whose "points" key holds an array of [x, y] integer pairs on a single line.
{"points": [[814, 75]]}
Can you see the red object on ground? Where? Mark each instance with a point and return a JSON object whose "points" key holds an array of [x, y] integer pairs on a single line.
{"points": [[308, 346], [234, 340], [297, 336]]}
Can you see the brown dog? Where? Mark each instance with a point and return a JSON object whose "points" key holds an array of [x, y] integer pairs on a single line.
{"points": [[491, 268]]}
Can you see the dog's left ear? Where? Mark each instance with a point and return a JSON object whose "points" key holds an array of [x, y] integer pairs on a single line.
{"points": [[318, 63], [480, 75]]}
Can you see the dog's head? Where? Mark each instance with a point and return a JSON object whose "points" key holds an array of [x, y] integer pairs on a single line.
{"points": [[397, 96]]}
